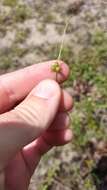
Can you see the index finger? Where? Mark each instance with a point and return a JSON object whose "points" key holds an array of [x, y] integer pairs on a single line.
{"points": [[15, 86]]}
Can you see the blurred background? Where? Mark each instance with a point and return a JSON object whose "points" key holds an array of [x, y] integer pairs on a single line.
{"points": [[31, 32]]}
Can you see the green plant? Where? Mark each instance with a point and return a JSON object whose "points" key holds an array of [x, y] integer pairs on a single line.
{"points": [[51, 173], [11, 3], [5, 62], [21, 35], [21, 13]]}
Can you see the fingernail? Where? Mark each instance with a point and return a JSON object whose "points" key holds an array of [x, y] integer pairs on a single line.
{"points": [[45, 89], [68, 135]]}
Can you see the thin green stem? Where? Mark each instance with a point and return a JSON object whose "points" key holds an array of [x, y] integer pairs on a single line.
{"points": [[60, 52], [63, 38]]}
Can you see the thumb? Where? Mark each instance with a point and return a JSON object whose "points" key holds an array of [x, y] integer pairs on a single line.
{"points": [[40, 107], [29, 119]]}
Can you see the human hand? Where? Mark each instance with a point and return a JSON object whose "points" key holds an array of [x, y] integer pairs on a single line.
{"points": [[35, 125]]}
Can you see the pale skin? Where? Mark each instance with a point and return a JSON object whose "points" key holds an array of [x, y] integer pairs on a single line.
{"points": [[24, 139]]}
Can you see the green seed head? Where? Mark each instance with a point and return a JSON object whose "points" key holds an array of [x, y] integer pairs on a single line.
{"points": [[56, 68]]}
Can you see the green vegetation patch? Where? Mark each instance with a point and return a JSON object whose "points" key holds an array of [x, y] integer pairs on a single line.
{"points": [[21, 13], [10, 3]]}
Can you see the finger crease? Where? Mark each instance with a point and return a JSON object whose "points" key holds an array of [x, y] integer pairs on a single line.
{"points": [[8, 92], [26, 163], [48, 146]]}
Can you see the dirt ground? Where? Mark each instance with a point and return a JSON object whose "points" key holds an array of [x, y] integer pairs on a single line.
{"points": [[31, 32]]}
